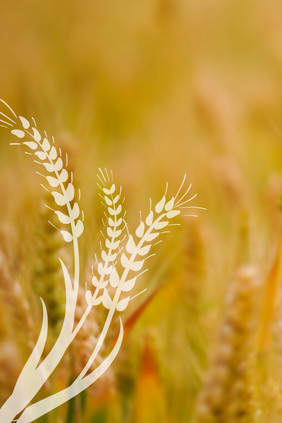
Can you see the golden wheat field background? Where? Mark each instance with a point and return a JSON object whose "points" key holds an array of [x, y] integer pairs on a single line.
{"points": [[152, 89]]}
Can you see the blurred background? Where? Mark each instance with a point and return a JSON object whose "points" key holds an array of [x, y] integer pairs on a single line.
{"points": [[153, 90]]}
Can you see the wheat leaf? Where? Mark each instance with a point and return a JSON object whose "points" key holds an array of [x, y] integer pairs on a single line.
{"points": [[40, 344]]}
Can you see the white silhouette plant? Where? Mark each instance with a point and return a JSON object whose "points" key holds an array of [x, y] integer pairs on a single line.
{"points": [[121, 263]]}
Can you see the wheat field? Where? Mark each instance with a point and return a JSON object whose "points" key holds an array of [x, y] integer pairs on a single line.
{"points": [[151, 91]]}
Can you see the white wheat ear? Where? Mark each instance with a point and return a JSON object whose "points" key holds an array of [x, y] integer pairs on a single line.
{"points": [[112, 200], [146, 235], [132, 258], [60, 183], [47, 155]]}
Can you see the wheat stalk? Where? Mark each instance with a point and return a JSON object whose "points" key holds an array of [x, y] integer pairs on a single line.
{"points": [[131, 256]]}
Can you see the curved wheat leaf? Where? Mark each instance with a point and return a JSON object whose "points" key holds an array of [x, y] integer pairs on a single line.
{"points": [[83, 381]]}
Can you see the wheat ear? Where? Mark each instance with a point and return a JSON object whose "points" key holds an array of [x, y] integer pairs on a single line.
{"points": [[132, 259], [137, 246], [49, 157], [228, 394]]}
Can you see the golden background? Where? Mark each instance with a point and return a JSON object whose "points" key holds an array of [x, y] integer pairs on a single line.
{"points": [[152, 90]]}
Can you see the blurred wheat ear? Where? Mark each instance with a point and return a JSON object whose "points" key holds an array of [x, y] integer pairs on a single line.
{"points": [[47, 280], [228, 393]]}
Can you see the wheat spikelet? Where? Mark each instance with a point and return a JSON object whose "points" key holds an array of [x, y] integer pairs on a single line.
{"points": [[111, 197], [50, 158], [228, 391]]}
